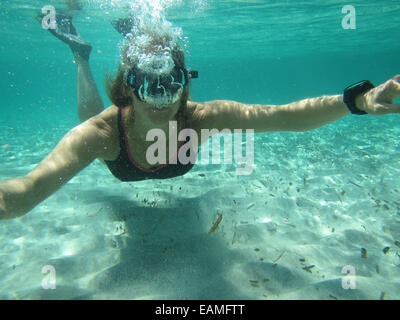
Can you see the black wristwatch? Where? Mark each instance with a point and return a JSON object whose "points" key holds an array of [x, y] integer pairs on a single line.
{"points": [[352, 91]]}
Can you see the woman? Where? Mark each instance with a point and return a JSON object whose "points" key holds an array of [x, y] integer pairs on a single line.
{"points": [[143, 101]]}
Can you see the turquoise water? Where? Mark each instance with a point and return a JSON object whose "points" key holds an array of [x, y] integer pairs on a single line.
{"points": [[251, 51], [265, 52]]}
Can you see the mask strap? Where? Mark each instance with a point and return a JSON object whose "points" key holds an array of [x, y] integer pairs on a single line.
{"points": [[193, 74]]}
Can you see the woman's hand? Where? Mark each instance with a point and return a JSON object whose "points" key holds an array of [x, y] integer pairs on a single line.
{"points": [[15, 197], [379, 100], [77, 149]]}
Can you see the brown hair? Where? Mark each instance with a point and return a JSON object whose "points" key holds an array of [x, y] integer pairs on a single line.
{"points": [[121, 95]]}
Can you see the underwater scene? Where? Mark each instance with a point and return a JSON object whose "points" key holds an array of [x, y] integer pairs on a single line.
{"points": [[315, 214]]}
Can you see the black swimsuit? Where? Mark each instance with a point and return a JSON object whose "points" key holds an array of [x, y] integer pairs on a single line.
{"points": [[126, 169]]}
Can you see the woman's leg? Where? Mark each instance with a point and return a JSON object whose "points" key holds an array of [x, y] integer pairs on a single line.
{"points": [[89, 99]]}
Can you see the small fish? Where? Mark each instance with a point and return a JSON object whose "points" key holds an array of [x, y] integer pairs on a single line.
{"points": [[357, 185], [279, 258], [216, 223], [251, 206], [386, 250], [364, 253], [308, 268], [263, 183]]}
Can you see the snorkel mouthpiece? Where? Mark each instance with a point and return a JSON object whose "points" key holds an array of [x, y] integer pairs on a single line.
{"points": [[160, 101]]}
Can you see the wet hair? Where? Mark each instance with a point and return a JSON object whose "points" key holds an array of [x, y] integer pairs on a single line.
{"points": [[121, 94]]}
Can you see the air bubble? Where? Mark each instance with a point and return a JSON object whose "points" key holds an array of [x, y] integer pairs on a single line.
{"points": [[152, 38]]}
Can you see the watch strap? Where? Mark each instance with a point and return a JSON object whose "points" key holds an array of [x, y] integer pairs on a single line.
{"points": [[351, 92]]}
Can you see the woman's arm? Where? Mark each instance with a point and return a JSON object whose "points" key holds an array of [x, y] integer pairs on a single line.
{"points": [[75, 151], [301, 115]]}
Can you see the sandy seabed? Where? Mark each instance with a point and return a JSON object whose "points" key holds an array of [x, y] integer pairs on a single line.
{"points": [[315, 203]]}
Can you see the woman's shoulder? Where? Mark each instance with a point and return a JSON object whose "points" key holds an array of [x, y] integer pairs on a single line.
{"points": [[193, 113], [106, 126], [191, 105], [192, 108], [109, 115], [107, 119]]}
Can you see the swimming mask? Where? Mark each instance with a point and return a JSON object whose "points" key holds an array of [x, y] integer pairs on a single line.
{"points": [[159, 90]]}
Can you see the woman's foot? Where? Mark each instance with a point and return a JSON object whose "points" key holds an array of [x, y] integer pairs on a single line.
{"points": [[66, 32]]}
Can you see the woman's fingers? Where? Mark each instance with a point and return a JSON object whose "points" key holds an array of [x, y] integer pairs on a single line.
{"points": [[382, 96], [380, 99], [397, 78], [391, 89], [387, 108]]}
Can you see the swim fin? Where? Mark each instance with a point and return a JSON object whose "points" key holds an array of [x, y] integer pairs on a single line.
{"points": [[66, 32], [74, 4]]}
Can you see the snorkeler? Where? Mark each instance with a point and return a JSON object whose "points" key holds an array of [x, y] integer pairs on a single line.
{"points": [[144, 99]]}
